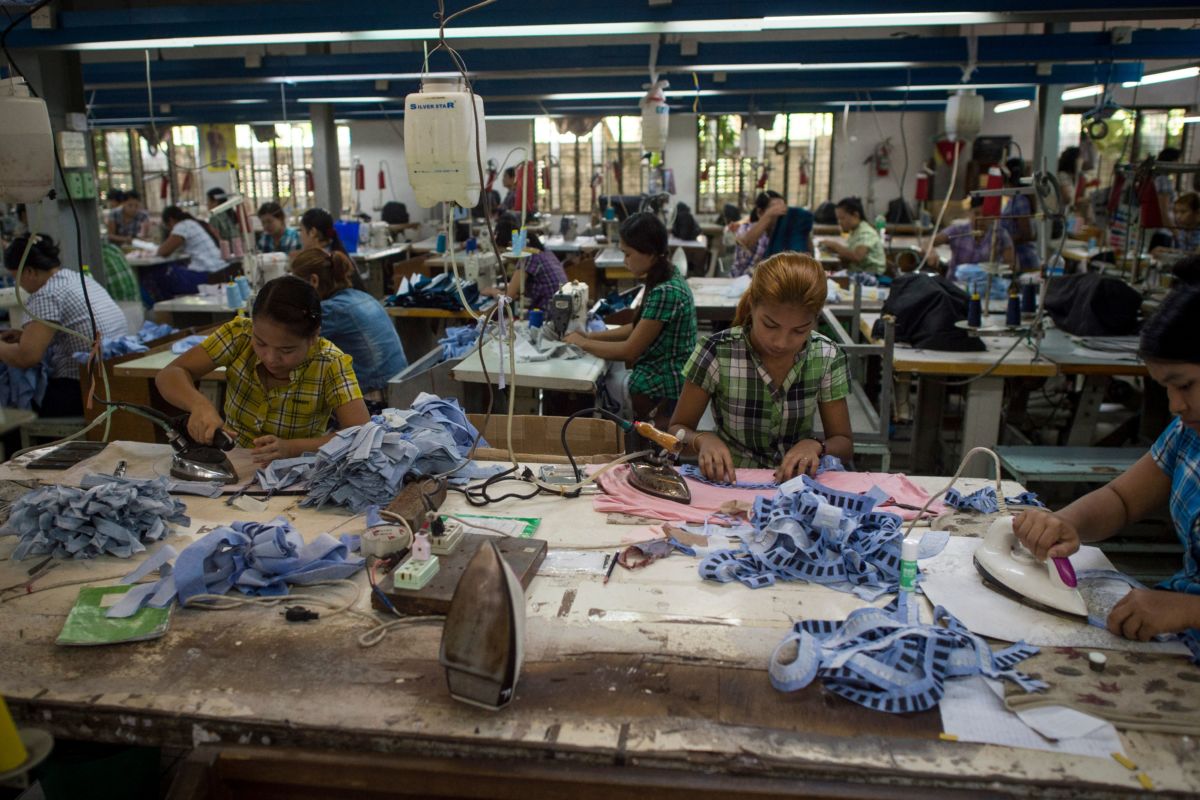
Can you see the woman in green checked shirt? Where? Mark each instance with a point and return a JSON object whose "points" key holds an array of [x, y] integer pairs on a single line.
{"points": [[662, 335], [766, 377]]}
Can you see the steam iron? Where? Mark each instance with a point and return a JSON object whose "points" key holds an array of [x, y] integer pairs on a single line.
{"points": [[656, 475], [192, 461], [1009, 568], [483, 639]]}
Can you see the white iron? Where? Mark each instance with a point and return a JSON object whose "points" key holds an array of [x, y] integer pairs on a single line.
{"points": [[1008, 566]]}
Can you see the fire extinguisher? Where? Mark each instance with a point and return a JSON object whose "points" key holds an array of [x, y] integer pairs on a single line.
{"points": [[162, 188], [883, 160], [922, 193], [360, 177], [310, 183], [762, 177], [804, 172], [382, 186]]}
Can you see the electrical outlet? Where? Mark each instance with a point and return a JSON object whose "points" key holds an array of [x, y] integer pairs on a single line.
{"points": [[450, 539], [413, 575]]}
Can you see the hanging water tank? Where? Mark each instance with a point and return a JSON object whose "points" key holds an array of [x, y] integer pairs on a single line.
{"points": [[964, 116], [26, 145], [440, 135]]}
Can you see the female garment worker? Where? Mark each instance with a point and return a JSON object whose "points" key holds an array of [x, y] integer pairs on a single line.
{"points": [[971, 242], [354, 321], [754, 237], [276, 236], [766, 376], [1169, 475], [283, 381], [538, 277], [863, 251], [128, 221], [56, 295], [662, 334]]}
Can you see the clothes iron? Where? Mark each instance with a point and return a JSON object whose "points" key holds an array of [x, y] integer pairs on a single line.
{"points": [[1009, 568], [483, 639], [656, 475], [192, 461]]}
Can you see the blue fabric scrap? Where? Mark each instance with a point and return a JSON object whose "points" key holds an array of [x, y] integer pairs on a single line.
{"points": [[108, 516], [984, 500], [186, 343], [888, 660], [458, 341], [24, 388], [135, 343]]}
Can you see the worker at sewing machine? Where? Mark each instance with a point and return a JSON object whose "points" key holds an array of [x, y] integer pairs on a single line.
{"points": [[1168, 475], [754, 237], [1185, 236], [128, 221], [282, 380], [662, 334], [974, 241], [276, 236], [765, 377], [537, 277], [197, 239], [863, 251], [56, 295], [317, 231]]}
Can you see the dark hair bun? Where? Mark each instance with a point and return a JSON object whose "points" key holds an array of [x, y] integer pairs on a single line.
{"points": [[43, 255]]}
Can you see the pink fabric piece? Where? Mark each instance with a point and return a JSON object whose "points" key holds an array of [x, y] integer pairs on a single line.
{"points": [[622, 498]]}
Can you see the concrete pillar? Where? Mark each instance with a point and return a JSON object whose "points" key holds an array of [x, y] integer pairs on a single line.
{"points": [[327, 172], [1049, 109]]}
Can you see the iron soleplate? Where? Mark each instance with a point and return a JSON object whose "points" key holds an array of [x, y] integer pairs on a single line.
{"points": [[659, 481], [991, 582]]}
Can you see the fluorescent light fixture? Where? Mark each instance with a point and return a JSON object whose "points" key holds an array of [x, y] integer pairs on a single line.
{"points": [[698, 26], [1163, 77], [788, 67], [629, 95], [359, 76], [1191, 120], [953, 87], [1011, 105], [349, 99], [1082, 92], [882, 103]]}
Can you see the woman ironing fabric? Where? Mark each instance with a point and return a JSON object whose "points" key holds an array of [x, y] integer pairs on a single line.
{"points": [[1168, 474]]}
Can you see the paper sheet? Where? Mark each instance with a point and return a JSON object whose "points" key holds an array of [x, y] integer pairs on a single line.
{"points": [[951, 580], [495, 526], [973, 712]]}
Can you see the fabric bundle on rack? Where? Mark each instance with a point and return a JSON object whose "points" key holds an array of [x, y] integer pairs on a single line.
{"points": [[808, 532], [888, 660], [108, 516], [256, 558]]}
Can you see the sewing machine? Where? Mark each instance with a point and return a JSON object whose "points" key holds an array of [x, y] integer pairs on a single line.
{"points": [[569, 309]]}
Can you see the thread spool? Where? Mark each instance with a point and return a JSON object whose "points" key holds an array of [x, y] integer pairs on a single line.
{"points": [[1012, 315], [12, 750], [975, 310], [243, 284], [1029, 294], [233, 295]]}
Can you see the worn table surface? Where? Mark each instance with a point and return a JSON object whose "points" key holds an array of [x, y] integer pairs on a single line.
{"points": [[656, 668], [379, 253], [150, 365], [557, 374]]}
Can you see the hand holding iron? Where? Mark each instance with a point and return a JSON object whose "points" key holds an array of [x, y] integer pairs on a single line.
{"points": [[204, 423], [1144, 613], [716, 462], [1047, 535]]}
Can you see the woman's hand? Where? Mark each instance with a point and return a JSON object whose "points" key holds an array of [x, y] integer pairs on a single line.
{"points": [[203, 422], [576, 338], [1144, 613], [802, 459], [269, 448], [491, 291], [776, 208], [1046, 535], [716, 462]]}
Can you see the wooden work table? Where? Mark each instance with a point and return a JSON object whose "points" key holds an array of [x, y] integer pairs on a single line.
{"points": [[655, 673]]}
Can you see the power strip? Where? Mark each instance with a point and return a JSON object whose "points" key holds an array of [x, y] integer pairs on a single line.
{"points": [[450, 539], [413, 575]]}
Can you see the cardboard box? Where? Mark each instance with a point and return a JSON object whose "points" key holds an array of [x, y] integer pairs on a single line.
{"points": [[537, 439]]}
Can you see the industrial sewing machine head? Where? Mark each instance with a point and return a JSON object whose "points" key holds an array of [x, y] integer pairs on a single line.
{"points": [[569, 309]]}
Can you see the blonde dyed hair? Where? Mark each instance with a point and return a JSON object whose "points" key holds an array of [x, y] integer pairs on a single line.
{"points": [[784, 279]]}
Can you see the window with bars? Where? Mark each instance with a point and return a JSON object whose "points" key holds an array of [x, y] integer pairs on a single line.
{"points": [[574, 170], [279, 168]]}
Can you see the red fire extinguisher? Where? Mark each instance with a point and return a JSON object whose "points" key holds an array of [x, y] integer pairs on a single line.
{"points": [[360, 178], [162, 188], [804, 172], [310, 183], [883, 159], [922, 193]]}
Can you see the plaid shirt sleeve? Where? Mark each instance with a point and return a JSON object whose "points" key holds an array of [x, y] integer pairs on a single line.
{"points": [[224, 344], [702, 367], [339, 384], [835, 383], [118, 276]]}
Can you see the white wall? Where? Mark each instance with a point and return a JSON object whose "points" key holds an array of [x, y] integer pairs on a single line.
{"points": [[1021, 125], [681, 155], [855, 140]]}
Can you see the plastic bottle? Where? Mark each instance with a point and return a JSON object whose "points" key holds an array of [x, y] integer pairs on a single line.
{"points": [[881, 228]]}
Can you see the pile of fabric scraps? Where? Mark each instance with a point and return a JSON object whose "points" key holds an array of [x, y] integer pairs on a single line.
{"points": [[108, 516], [366, 465], [888, 660], [822, 536], [124, 345], [256, 558], [22, 388], [984, 500], [458, 341], [186, 343], [441, 292], [902, 496], [286, 473]]}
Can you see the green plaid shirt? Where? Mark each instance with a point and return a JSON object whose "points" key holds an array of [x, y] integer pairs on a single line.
{"points": [[758, 421], [657, 372], [118, 275]]}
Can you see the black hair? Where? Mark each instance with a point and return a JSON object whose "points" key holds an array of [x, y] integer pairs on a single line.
{"points": [[132, 194], [272, 209], [321, 221], [1189, 199], [217, 193], [762, 201], [43, 255], [976, 201], [175, 214], [1187, 270], [1170, 335], [646, 233], [852, 205], [116, 194], [1169, 154], [292, 302], [507, 225], [510, 172], [1016, 169], [1068, 160]]}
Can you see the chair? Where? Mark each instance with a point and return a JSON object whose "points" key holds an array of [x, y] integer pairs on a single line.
{"points": [[870, 424]]}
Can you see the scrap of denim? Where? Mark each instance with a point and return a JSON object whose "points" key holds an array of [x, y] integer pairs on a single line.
{"points": [[442, 292], [474, 471], [152, 330], [808, 532], [984, 500], [256, 558], [540, 344], [108, 516], [450, 415], [186, 343], [828, 464], [888, 660], [24, 388], [286, 473], [458, 341], [197, 488]]}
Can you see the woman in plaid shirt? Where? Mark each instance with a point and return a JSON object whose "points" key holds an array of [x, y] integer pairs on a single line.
{"points": [[766, 377], [1169, 475], [283, 381]]}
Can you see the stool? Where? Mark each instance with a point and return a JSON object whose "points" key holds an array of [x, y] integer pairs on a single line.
{"points": [[52, 428]]}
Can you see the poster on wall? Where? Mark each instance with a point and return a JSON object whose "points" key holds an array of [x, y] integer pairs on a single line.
{"points": [[220, 147]]}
